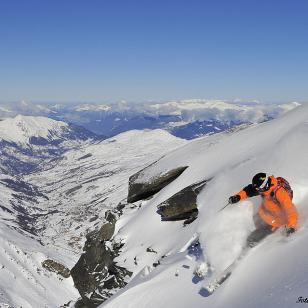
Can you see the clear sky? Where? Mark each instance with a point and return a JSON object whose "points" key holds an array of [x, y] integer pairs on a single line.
{"points": [[109, 50]]}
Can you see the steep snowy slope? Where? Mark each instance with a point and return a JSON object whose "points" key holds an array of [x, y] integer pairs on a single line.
{"points": [[23, 280], [272, 274]]}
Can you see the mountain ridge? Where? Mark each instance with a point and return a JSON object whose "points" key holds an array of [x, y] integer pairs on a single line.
{"points": [[187, 119]]}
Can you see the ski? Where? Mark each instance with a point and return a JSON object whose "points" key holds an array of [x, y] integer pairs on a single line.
{"points": [[209, 288]]}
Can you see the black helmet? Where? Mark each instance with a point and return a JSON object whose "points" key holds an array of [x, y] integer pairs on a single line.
{"points": [[261, 182]]}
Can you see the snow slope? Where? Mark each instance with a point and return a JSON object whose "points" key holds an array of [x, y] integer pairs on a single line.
{"points": [[272, 274], [23, 281]]}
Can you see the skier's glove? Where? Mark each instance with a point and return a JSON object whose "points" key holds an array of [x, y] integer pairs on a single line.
{"points": [[290, 231], [234, 199]]}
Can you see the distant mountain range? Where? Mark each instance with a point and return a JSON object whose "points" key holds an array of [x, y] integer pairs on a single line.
{"points": [[187, 119]]}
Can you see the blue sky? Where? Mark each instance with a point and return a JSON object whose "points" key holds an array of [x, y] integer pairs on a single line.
{"points": [[109, 50]]}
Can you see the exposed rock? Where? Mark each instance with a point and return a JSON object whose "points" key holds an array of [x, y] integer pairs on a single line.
{"points": [[96, 275], [81, 304], [68, 304], [149, 249], [182, 205], [106, 231], [139, 189], [56, 267], [192, 217], [120, 207], [155, 264]]}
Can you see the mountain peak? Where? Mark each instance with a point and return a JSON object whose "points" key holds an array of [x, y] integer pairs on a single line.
{"points": [[21, 128]]}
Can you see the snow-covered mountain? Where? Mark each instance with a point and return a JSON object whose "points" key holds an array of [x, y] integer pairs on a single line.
{"points": [[27, 142], [29, 130], [187, 119]]}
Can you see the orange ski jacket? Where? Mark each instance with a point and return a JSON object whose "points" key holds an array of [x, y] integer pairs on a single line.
{"points": [[277, 208]]}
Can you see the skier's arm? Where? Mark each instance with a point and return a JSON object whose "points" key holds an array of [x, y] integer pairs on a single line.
{"points": [[288, 207], [248, 192], [245, 193]]}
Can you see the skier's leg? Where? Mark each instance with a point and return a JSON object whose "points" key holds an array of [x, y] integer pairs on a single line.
{"points": [[259, 234]]}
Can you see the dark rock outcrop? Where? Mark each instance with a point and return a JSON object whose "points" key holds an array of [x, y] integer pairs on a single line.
{"points": [[182, 205], [139, 190], [96, 275], [56, 267]]}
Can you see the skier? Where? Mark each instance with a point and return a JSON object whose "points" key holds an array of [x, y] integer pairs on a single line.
{"points": [[277, 209]]}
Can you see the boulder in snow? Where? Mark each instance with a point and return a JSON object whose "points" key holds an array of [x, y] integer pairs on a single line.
{"points": [[142, 189], [182, 205], [56, 267]]}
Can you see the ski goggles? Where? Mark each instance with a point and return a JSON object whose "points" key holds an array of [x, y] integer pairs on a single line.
{"points": [[264, 186]]}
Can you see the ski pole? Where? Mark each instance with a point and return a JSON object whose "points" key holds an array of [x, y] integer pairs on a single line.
{"points": [[224, 206]]}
